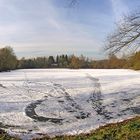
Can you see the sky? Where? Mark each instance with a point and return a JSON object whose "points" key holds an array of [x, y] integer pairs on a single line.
{"points": [[50, 27]]}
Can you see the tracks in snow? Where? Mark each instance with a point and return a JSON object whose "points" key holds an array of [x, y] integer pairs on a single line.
{"points": [[96, 99], [70, 105], [73, 108], [66, 102]]}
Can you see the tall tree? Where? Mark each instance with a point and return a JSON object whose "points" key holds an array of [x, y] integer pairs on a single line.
{"points": [[51, 61], [75, 62]]}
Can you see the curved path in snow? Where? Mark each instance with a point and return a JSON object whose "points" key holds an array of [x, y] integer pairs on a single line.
{"points": [[71, 107]]}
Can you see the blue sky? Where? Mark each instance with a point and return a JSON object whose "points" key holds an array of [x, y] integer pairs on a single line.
{"points": [[50, 27]]}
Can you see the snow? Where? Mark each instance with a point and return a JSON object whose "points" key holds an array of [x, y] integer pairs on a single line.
{"points": [[36, 102]]}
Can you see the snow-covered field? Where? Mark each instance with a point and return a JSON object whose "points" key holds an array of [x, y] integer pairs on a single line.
{"points": [[61, 101]]}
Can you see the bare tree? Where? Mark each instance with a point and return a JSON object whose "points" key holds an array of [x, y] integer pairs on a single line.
{"points": [[127, 34], [72, 2]]}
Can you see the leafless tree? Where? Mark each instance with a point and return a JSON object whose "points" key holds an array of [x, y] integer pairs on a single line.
{"points": [[127, 34]]}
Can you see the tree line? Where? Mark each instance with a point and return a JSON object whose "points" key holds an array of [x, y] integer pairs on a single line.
{"points": [[60, 61], [9, 61]]}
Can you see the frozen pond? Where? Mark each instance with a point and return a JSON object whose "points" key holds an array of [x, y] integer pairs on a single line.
{"points": [[61, 101]]}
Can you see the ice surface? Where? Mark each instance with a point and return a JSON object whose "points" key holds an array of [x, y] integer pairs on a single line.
{"points": [[36, 102]]}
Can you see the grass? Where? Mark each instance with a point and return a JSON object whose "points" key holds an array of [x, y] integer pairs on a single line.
{"points": [[5, 136], [126, 130]]}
